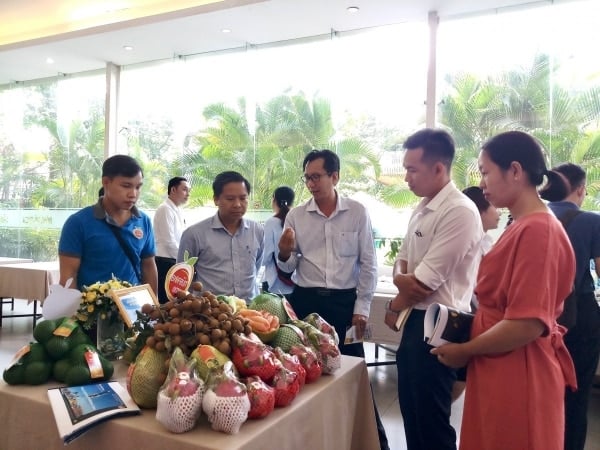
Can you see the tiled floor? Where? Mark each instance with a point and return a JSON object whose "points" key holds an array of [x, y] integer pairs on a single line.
{"points": [[384, 380], [18, 331]]}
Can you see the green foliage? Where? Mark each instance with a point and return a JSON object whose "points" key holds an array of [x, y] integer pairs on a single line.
{"points": [[287, 127], [37, 244], [528, 99], [392, 245], [75, 156], [270, 150]]}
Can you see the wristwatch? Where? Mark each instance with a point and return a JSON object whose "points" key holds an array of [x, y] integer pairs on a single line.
{"points": [[388, 308]]}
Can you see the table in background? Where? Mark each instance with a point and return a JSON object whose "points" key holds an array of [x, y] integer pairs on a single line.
{"points": [[10, 300], [29, 281], [6, 260], [334, 413], [382, 335]]}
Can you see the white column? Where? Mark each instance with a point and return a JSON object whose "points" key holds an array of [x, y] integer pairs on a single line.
{"points": [[430, 102], [113, 77]]}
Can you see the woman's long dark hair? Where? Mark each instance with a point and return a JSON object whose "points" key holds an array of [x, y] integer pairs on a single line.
{"points": [[284, 198], [504, 148]]}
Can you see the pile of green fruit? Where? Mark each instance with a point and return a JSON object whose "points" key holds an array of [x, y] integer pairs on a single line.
{"points": [[62, 351]]}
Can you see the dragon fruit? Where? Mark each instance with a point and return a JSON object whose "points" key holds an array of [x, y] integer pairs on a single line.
{"points": [[226, 401], [179, 401], [287, 386], [262, 398], [323, 344], [309, 360], [322, 325], [291, 362], [253, 358]]}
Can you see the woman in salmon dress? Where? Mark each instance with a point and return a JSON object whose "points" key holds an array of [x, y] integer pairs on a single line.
{"points": [[518, 363]]}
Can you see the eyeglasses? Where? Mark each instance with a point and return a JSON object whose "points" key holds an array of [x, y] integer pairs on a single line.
{"points": [[315, 177]]}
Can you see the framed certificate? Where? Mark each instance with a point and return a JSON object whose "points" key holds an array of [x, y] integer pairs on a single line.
{"points": [[130, 300]]}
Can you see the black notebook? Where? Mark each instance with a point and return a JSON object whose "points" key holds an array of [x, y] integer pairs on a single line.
{"points": [[444, 324]]}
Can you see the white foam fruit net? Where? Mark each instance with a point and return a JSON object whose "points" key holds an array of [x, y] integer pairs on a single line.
{"points": [[226, 414], [331, 363], [180, 414]]}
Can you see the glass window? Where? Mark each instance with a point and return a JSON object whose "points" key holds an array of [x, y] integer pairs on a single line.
{"points": [[529, 69], [52, 144], [258, 111]]}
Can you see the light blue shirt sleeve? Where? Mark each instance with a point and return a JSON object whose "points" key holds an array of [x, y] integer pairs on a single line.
{"points": [[227, 264], [335, 252]]}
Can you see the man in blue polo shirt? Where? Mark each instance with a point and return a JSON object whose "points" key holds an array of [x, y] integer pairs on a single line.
{"points": [[111, 237], [583, 339]]}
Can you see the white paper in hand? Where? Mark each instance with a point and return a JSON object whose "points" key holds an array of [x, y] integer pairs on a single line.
{"points": [[62, 301]]}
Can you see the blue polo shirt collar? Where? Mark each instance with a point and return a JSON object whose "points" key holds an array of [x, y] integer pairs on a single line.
{"points": [[100, 213]]}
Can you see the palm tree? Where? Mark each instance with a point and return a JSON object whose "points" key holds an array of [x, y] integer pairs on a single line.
{"points": [[472, 112], [565, 122], [287, 127], [75, 156]]}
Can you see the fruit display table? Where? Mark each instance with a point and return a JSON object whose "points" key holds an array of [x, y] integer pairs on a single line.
{"points": [[334, 413], [29, 281]]}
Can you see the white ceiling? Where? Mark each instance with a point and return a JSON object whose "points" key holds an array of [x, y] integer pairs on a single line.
{"points": [[161, 29]]}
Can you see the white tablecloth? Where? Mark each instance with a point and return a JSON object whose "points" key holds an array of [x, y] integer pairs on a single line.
{"points": [[334, 413], [381, 333], [6, 260], [30, 281]]}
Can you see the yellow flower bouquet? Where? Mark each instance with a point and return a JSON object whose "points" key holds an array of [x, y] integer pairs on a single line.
{"points": [[96, 302]]}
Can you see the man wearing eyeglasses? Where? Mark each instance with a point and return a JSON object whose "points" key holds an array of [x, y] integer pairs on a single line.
{"points": [[328, 242]]}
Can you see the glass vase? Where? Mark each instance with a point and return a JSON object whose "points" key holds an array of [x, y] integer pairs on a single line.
{"points": [[110, 337]]}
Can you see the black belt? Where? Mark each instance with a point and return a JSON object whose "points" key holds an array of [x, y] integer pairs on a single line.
{"points": [[164, 258], [325, 292]]}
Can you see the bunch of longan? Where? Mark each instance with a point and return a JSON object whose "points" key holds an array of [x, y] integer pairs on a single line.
{"points": [[192, 320]]}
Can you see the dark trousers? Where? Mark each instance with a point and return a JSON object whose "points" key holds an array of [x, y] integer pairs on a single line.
{"points": [[337, 308], [583, 343], [424, 391], [162, 266]]}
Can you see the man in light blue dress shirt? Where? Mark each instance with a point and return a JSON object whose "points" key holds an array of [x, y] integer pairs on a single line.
{"points": [[328, 241], [228, 246]]}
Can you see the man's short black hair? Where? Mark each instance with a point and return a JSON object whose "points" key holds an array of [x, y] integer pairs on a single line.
{"points": [[121, 166], [174, 182], [331, 161], [228, 177], [574, 173], [437, 145]]}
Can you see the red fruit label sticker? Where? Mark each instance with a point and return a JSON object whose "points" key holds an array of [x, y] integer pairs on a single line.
{"points": [[288, 309], [179, 278], [93, 362]]}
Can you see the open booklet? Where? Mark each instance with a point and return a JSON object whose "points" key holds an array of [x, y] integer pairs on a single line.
{"points": [[444, 324], [78, 408]]}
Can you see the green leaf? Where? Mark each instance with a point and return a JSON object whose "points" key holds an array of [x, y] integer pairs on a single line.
{"points": [[191, 261]]}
